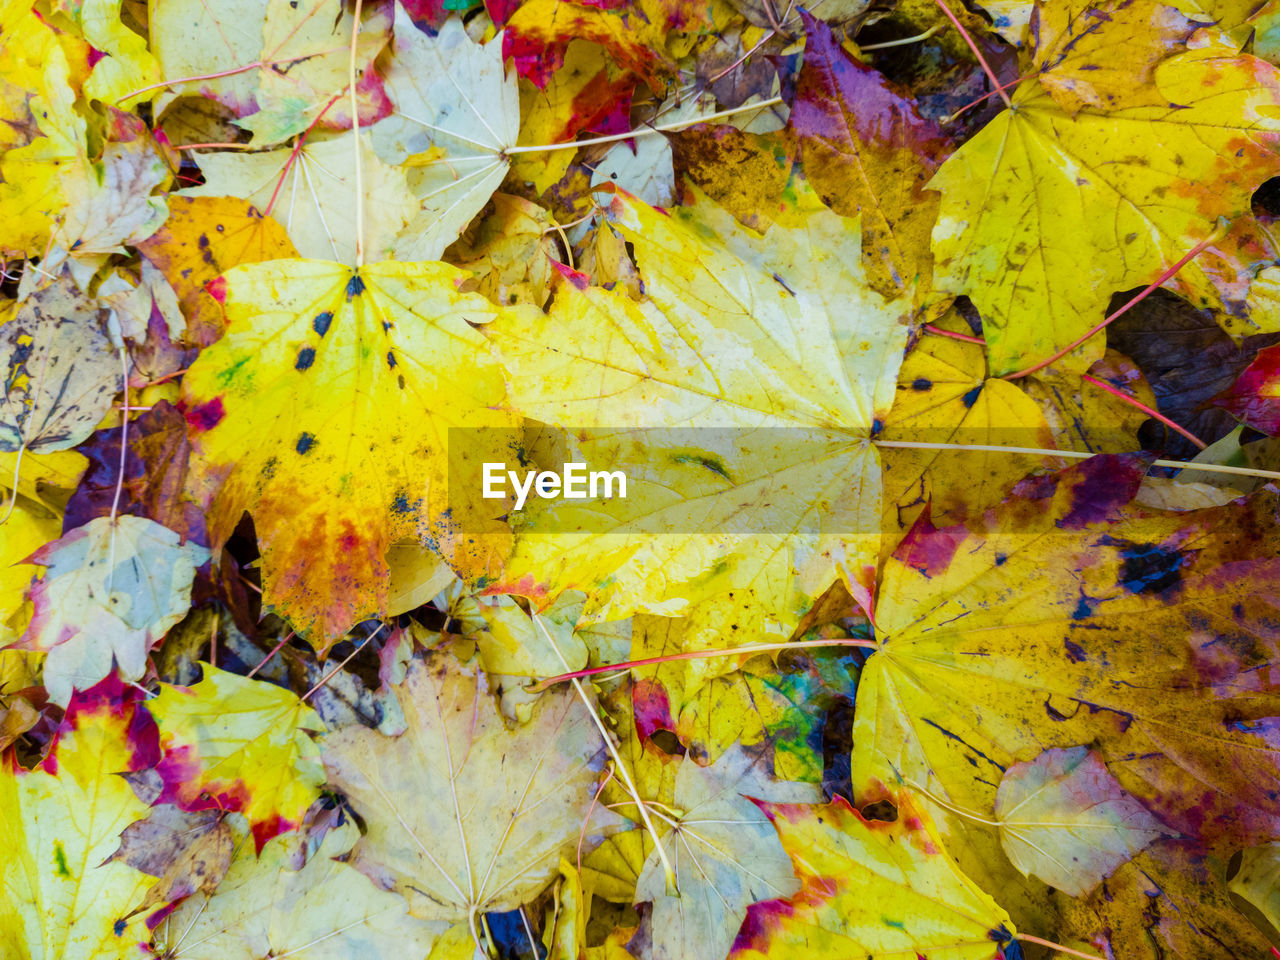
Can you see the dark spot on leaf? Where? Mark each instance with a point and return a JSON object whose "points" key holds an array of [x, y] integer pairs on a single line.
{"points": [[1150, 568], [1083, 609], [922, 384], [119, 927], [391, 359], [60, 861], [355, 286], [711, 463], [305, 442], [206, 416], [306, 357], [400, 381], [321, 322], [971, 397], [400, 504], [1075, 651]]}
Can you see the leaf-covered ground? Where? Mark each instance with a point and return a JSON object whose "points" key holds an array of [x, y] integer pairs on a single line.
{"points": [[939, 342]]}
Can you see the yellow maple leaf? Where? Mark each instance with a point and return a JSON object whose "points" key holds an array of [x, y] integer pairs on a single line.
{"points": [[871, 888], [1021, 228], [243, 742], [58, 823], [324, 413], [989, 655], [777, 357]]}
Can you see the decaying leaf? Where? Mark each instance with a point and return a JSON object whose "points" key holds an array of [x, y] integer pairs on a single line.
{"points": [[989, 656], [716, 345], [111, 590], [334, 388], [870, 888], [60, 369], [456, 112], [58, 824], [1015, 230], [189, 852], [238, 744], [725, 852], [265, 907], [1064, 818], [463, 814]]}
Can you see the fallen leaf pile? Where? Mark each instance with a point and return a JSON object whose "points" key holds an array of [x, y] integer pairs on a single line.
{"points": [[933, 345]]}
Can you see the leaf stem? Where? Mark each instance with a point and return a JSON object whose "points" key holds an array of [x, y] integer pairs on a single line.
{"points": [[643, 131], [698, 655], [17, 475], [1076, 455], [947, 805], [623, 773], [355, 130], [329, 676], [1135, 402], [1055, 946], [226, 73], [905, 41], [982, 61], [294, 154], [952, 117], [1218, 233], [1101, 384], [267, 659], [939, 332], [124, 455]]}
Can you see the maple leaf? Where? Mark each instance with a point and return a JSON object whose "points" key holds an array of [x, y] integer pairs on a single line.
{"points": [[241, 744], [266, 906], [324, 411], [112, 589], [1064, 818], [456, 113], [1041, 162], [871, 888], [726, 855], [801, 359], [867, 150], [990, 653], [202, 238], [59, 823], [60, 370], [309, 192], [462, 813], [275, 63]]}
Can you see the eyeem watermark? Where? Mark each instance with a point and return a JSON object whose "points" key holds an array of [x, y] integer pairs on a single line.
{"points": [[574, 482], [640, 482]]}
